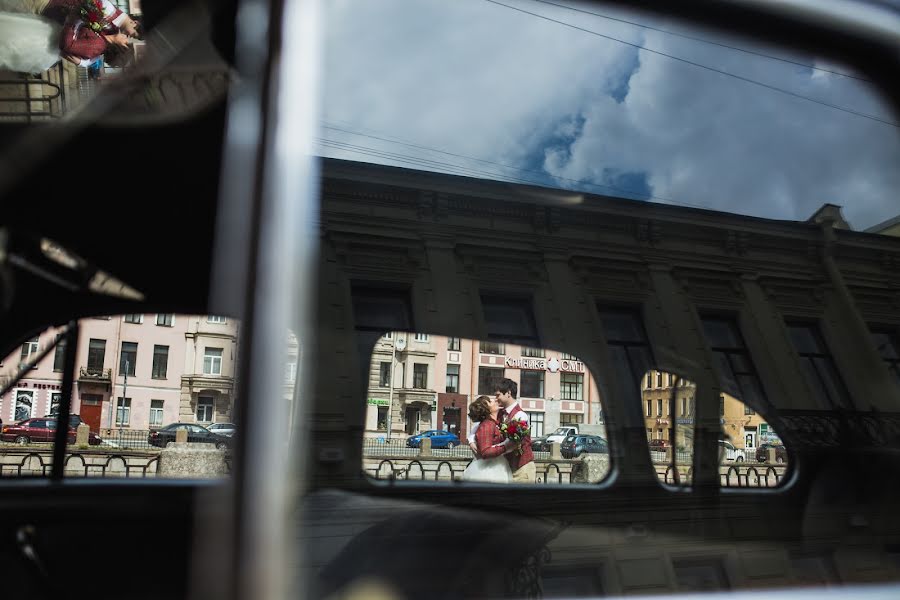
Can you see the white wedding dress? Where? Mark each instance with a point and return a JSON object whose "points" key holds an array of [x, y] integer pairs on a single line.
{"points": [[28, 43], [488, 470]]}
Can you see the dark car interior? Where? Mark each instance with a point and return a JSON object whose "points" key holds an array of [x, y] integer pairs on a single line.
{"points": [[224, 209]]}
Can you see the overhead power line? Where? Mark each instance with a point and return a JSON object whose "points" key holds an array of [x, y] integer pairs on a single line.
{"points": [[703, 40], [698, 65], [478, 172]]}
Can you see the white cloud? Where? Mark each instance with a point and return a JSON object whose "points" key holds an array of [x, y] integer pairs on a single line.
{"points": [[476, 79]]}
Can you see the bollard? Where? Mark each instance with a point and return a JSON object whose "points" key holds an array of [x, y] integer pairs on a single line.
{"points": [[555, 451], [82, 435], [425, 447], [181, 436]]}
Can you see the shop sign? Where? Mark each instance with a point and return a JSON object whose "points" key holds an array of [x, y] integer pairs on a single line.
{"points": [[553, 365], [378, 401]]}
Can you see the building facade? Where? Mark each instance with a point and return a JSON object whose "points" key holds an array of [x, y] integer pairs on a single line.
{"points": [[133, 371], [432, 379]]}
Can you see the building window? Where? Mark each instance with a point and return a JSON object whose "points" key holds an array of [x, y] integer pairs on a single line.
{"points": [[683, 412], [290, 372], [567, 356], [212, 361], [420, 376], [123, 412], [454, 344], [536, 424], [659, 382], [488, 378], [204, 409], [735, 365], [888, 347], [29, 348], [215, 319], [571, 418], [818, 365], [59, 356], [649, 381], [165, 319], [452, 379], [649, 408], [531, 384], [388, 336], [156, 413], [54, 403], [492, 348], [96, 355], [382, 417], [160, 361], [421, 337], [659, 407], [691, 406], [628, 347], [721, 406], [649, 434], [571, 386], [128, 359], [533, 352], [384, 379], [137, 319], [748, 410]]}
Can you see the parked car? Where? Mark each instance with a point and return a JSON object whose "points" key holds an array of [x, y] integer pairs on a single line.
{"points": [[540, 444], [439, 439], [226, 429], [762, 453], [197, 434], [39, 430], [74, 420], [576, 445], [728, 453]]}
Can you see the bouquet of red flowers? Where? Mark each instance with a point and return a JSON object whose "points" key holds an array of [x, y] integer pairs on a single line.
{"points": [[517, 431], [91, 12]]}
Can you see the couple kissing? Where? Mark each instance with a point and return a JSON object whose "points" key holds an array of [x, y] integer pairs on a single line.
{"points": [[500, 438]]}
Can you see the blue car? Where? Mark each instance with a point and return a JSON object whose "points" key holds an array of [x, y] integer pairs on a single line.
{"points": [[439, 439]]}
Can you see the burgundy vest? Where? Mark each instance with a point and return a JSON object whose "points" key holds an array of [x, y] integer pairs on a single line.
{"points": [[517, 461]]}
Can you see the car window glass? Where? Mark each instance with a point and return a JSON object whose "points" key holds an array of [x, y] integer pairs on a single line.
{"points": [[178, 368], [667, 404], [419, 381]]}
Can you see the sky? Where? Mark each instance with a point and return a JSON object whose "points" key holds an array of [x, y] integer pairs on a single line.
{"points": [[478, 89]]}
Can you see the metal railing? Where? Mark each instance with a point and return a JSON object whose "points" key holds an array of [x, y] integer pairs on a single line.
{"points": [[94, 373], [35, 96], [133, 439]]}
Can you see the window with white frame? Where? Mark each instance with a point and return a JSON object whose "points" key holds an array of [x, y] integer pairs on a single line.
{"points": [[29, 349], [571, 418], [24, 405], [421, 337], [204, 409], [536, 424], [123, 412], [165, 319], [452, 386], [290, 372], [156, 412], [59, 356], [212, 361], [215, 319], [137, 319], [454, 343]]}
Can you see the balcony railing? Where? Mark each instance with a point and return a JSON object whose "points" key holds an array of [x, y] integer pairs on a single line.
{"points": [[93, 374]]}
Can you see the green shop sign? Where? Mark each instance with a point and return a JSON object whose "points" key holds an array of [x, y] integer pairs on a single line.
{"points": [[378, 401]]}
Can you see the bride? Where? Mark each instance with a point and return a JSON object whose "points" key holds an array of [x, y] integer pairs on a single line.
{"points": [[490, 465]]}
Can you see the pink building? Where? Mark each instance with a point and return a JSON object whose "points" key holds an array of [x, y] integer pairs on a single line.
{"points": [[155, 369]]}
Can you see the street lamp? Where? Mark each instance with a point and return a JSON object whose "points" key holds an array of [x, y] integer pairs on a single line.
{"points": [[397, 343]]}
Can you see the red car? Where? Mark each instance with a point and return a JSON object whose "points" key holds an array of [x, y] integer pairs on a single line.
{"points": [[38, 430]]}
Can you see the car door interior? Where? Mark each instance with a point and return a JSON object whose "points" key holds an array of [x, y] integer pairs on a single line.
{"points": [[401, 250]]}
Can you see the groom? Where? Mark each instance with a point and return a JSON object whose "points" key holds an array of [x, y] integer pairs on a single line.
{"points": [[522, 465]]}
